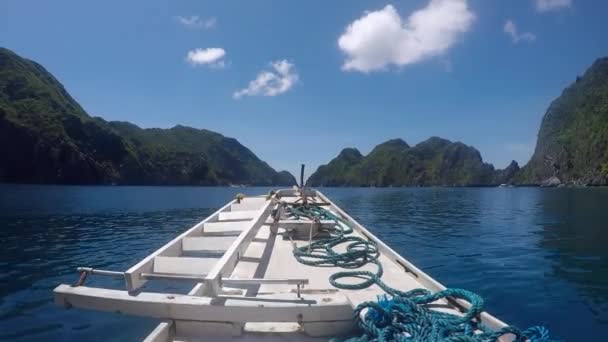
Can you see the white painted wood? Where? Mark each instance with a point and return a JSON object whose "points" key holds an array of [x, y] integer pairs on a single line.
{"points": [[172, 248], [207, 243], [301, 229], [183, 265], [224, 228], [263, 308], [229, 260], [251, 281], [198, 289], [292, 192], [244, 215], [272, 302], [219, 228], [272, 327], [260, 337], [162, 333], [196, 330], [294, 223], [245, 207], [249, 203]]}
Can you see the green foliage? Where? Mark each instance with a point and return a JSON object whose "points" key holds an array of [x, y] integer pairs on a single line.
{"points": [[46, 137], [434, 162], [604, 170], [572, 145], [573, 138]]}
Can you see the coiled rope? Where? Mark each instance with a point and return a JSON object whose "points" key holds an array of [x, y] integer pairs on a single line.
{"points": [[398, 315]]}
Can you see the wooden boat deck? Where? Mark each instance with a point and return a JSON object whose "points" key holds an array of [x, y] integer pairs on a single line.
{"points": [[243, 266], [271, 256]]}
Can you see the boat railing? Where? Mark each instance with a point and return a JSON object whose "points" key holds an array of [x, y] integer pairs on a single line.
{"points": [[86, 271]]}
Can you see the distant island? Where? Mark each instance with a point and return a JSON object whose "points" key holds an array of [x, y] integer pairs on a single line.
{"points": [[572, 149], [47, 137], [434, 162]]}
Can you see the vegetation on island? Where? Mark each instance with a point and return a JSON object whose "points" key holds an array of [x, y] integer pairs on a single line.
{"points": [[47, 137], [572, 148], [572, 145], [434, 162]]}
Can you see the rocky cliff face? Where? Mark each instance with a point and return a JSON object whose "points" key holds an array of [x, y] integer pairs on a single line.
{"points": [[337, 171], [572, 148], [507, 175], [434, 162], [47, 137], [572, 145]]}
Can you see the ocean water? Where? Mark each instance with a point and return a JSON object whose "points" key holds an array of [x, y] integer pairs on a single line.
{"points": [[537, 256]]}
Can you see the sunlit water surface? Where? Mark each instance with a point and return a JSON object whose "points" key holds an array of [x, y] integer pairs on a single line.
{"points": [[537, 256]]}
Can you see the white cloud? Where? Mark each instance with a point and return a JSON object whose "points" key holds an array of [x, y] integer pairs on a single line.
{"points": [[511, 29], [213, 57], [194, 21], [273, 82], [381, 38], [551, 5]]}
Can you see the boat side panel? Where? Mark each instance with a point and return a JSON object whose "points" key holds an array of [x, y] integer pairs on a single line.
{"points": [[269, 308]]}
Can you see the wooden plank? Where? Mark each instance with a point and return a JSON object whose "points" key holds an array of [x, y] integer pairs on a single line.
{"points": [[207, 243], [246, 207], [244, 215], [183, 265], [224, 228], [162, 333], [228, 261], [288, 192], [206, 331], [200, 288], [172, 248], [251, 281], [263, 308], [255, 203], [173, 276]]}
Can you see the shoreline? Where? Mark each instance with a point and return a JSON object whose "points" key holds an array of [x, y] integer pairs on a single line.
{"points": [[288, 186]]}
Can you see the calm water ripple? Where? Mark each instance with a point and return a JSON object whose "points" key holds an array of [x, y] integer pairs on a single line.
{"points": [[537, 256]]}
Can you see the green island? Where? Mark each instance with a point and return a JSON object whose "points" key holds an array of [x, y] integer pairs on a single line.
{"points": [[572, 149], [47, 137]]}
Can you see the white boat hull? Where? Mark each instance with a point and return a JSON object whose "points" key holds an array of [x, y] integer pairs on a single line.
{"points": [[254, 287]]}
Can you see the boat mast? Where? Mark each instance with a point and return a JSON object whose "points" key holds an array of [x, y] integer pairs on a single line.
{"points": [[302, 189]]}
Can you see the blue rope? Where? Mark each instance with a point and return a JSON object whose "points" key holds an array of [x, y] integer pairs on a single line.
{"points": [[398, 315]]}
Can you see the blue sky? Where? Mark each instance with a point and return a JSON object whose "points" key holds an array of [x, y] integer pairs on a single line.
{"points": [[330, 74]]}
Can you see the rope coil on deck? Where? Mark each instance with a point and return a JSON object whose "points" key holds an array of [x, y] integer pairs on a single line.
{"points": [[398, 315]]}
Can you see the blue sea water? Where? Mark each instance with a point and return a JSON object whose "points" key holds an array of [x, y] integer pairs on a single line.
{"points": [[537, 256]]}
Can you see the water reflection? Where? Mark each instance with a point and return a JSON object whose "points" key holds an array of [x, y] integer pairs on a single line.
{"points": [[576, 231]]}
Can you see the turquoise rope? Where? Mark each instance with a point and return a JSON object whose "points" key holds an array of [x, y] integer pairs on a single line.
{"points": [[405, 316]]}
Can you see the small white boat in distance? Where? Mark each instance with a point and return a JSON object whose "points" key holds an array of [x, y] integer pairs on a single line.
{"points": [[247, 284]]}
